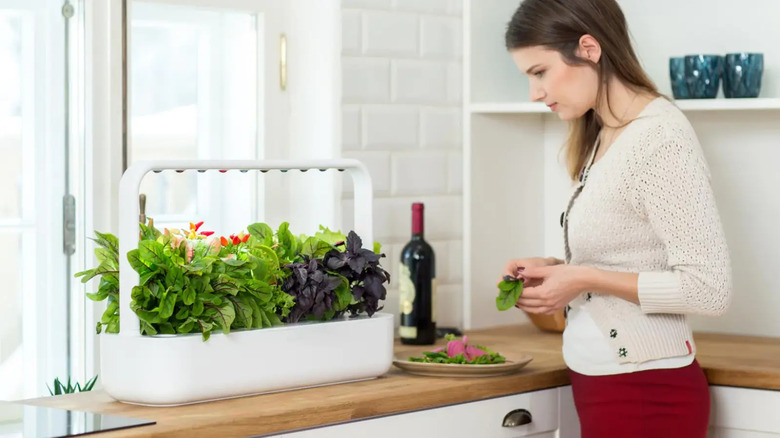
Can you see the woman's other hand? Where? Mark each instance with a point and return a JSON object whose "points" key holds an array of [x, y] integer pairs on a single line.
{"points": [[548, 289]]}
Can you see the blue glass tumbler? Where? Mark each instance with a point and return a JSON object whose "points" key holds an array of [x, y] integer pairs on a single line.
{"points": [[742, 74], [702, 74], [677, 76]]}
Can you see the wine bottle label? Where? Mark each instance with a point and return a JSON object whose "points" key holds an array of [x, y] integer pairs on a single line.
{"points": [[406, 289], [407, 332]]}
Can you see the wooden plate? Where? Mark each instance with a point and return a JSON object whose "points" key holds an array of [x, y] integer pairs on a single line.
{"points": [[461, 370]]}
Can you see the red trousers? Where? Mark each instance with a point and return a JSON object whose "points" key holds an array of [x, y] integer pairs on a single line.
{"points": [[670, 403]]}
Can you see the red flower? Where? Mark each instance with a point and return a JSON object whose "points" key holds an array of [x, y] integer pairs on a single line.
{"points": [[206, 233], [223, 241], [236, 240], [246, 237]]}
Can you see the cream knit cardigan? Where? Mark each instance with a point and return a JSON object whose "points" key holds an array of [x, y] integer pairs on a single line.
{"points": [[647, 207]]}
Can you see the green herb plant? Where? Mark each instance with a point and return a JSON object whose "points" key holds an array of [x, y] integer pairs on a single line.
{"points": [[61, 388], [192, 282]]}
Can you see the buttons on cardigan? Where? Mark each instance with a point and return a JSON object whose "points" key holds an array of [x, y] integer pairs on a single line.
{"points": [[563, 213], [588, 296], [622, 352], [613, 333]]}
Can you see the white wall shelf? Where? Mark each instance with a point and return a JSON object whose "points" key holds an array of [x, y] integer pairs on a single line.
{"points": [[685, 105]]}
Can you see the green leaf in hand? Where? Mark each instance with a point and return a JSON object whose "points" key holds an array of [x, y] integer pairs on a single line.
{"points": [[510, 290]]}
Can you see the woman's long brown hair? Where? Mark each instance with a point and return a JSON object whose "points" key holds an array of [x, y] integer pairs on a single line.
{"points": [[559, 25]]}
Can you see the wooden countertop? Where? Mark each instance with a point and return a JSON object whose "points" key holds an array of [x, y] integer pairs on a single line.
{"points": [[751, 362]]}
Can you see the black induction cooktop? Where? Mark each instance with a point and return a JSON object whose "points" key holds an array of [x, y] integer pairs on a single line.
{"points": [[25, 421]]}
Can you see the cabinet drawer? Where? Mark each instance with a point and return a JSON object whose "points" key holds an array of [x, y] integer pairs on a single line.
{"points": [[482, 419], [745, 409]]}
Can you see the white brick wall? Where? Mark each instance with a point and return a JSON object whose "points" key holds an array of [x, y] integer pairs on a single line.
{"points": [[402, 119]]}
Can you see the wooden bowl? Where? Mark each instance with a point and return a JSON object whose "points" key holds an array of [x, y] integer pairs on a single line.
{"points": [[548, 323]]}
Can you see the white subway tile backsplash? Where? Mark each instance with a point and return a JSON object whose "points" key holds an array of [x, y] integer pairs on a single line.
{"points": [[449, 305], [390, 127], [454, 82], [455, 7], [378, 164], [419, 81], [455, 261], [443, 218], [393, 218], [390, 33], [449, 308], [389, 223], [350, 32], [350, 127], [392, 303], [455, 170], [367, 4], [441, 37], [365, 79], [441, 128], [398, 248], [389, 261], [440, 251], [402, 82], [420, 173], [426, 6]]}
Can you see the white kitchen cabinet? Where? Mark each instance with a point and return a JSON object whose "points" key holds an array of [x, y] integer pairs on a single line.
{"points": [[551, 410], [515, 186], [736, 413], [744, 413]]}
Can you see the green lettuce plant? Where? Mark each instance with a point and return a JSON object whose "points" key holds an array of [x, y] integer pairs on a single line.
{"points": [[193, 282]]}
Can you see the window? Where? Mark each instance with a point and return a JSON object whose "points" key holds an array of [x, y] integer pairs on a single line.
{"points": [[204, 83], [33, 325], [194, 81]]}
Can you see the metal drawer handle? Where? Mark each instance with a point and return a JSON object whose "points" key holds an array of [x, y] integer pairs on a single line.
{"points": [[518, 417]]}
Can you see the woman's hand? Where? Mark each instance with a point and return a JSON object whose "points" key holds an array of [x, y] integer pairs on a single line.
{"points": [[515, 267], [547, 289]]}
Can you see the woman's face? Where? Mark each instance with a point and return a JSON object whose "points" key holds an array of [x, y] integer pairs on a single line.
{"points": [[569, 90]]}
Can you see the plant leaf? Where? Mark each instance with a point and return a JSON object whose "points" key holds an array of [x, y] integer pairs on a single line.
{"points": [[113, 306], [151, 253], [188, 297], [134, 257], [175, 278], [262, 232], [167, 304], [509, 293], [330, 237], [108, 241], [242, 310], [225, 315]]}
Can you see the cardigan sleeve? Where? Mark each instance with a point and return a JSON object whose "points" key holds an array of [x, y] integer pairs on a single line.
{"points": [[673, 192]]}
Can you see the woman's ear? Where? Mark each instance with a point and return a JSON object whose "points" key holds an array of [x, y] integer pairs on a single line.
{"points": [[589, 48]]}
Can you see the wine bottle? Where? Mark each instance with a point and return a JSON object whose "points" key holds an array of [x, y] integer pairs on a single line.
{"points": [[417, 284]]}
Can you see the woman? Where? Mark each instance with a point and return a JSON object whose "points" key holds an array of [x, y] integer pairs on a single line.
{"points": [[643, 239]]}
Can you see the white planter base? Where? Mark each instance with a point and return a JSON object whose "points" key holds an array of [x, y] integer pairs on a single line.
{"points": [[173, 370]]}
